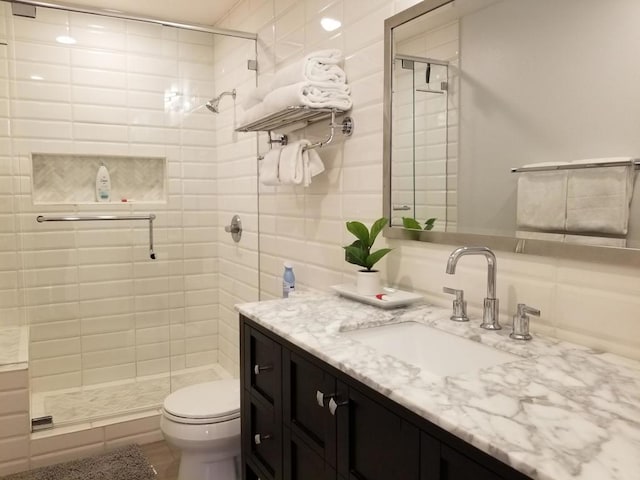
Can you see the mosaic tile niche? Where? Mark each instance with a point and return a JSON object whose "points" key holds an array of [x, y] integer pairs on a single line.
{"points": [[71, 178]]}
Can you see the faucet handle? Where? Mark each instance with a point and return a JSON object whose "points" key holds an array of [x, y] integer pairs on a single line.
{"points": [[521, 322], [459, 305]]}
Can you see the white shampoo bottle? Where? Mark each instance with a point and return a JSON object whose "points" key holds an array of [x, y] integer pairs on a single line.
{"points": [[103, 185]]}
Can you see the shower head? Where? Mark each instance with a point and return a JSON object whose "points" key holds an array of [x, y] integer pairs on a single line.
{"points": [[212, 104]]}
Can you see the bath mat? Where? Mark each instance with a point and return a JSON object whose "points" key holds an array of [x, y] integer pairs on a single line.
{"points": [[126, 463]]}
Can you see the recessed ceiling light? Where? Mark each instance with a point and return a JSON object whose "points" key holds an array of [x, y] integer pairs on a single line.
{"points": [[330, 24], [36, 77], [66, 39]]}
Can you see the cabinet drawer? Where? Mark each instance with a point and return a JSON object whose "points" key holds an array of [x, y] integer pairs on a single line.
{"points": [[301, 462], [306, 385], [262, 366], [375, 444], [455, 466], [262, 436]]}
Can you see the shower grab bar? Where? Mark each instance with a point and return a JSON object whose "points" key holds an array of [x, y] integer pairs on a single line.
{"points": [[572, 166], [151, 217]]}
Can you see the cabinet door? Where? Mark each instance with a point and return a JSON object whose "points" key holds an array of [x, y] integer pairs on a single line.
{"points": [[373, 443], [307, 389], [262, 366], [455, 466], [262, 436], [301, 462]]}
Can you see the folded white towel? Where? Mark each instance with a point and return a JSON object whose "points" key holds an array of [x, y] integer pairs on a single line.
{"points": [[552, 237], [297, 165], [598, 241], [319, 66], [598, 199], [270, 166], [542, 198], [312, 94]]}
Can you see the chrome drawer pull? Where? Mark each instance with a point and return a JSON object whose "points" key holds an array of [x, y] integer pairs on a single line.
{"points": [[321, 397], [257, 369], [333, 405], [257, 438]]}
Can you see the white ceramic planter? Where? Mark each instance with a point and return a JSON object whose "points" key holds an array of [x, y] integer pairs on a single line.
{"points": [[368, 282]]}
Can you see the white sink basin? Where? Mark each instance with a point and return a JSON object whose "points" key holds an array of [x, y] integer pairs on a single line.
{"points": [[440, 353]]}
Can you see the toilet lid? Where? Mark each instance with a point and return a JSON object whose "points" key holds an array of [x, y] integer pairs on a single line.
{"points": [[214, 401]]}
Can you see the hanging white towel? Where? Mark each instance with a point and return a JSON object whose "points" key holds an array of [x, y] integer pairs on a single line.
{"points": [[598, 199], [550, 237], [319, 66], [542, 198], [270, 166], [297, 165], [597, 241]]}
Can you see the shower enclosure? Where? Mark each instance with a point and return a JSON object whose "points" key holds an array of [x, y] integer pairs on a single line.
{"points": [[112, 330]]}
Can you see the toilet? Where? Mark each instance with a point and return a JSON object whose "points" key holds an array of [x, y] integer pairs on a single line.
{"points": [[203, 422]]}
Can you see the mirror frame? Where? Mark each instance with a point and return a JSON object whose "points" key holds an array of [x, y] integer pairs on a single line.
{"points": [[609, 255]]}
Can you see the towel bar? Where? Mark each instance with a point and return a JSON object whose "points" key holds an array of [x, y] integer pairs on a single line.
{"points": [[573, 166], [296, 114], [151, 217]]}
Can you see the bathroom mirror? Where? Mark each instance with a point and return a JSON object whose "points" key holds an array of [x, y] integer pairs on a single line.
{"points": [[475, 88]]}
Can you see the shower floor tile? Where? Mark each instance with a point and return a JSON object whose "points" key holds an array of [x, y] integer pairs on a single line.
{"points": [[117, 398]]}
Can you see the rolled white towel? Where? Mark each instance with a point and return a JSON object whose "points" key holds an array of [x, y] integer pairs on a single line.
{"points": [[254, 97], [251, 114], [319, 66], [270, 167], [315, 95]]}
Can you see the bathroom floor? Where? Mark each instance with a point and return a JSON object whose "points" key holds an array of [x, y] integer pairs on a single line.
{"points": [[163, 458], [105, 400]]}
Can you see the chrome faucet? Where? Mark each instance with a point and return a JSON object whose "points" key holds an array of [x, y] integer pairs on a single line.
{"points": [[490, 312]]}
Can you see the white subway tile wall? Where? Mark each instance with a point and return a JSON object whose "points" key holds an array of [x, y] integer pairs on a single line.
{"points": [[14, 420], [306, 226]]}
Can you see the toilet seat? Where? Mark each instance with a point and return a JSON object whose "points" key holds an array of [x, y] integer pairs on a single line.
{"points": [[204, 403]]}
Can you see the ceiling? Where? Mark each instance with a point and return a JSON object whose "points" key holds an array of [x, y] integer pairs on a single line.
{"points": [[203, 12]]}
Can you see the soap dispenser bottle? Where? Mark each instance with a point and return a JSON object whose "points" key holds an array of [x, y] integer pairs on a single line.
{"points": [[103, 184], [288, 280]]}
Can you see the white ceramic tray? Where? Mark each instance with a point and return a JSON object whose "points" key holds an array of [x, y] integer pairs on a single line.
{"points": [[388, 298]]}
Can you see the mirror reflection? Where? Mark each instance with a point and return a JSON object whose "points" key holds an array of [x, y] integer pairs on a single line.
{"points": [[482, 88]]}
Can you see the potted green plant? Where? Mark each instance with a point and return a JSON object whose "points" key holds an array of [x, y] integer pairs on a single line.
{"points": [[359, 253]]}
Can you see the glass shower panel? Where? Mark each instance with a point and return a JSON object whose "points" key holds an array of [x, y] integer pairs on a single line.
{"points": [[112, 330], [96, 303], [431, 86], [402, 141]]}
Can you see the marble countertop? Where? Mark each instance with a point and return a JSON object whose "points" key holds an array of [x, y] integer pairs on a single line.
{"points": [[562, 412]]}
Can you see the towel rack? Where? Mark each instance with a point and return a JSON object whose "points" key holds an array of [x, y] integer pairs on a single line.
{"points": [[573, 166], [297, 114], [151, 217]]}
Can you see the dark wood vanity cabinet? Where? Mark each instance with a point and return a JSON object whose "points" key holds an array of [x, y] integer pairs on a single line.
{"points": [[303, 419]]}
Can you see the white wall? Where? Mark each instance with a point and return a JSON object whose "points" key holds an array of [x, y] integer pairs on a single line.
{"points": [[589, 303]]}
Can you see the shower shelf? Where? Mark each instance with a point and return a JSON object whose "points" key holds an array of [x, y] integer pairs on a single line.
{"points": [[296, 114]]}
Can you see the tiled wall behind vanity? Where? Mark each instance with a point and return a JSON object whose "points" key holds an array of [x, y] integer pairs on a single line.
{"points": [[588, 303]]}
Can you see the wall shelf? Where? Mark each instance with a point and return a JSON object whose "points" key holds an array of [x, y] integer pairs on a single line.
{"points": [[297, 114]]}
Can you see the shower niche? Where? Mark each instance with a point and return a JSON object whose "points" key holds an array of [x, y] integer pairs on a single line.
{"points": [[64, 179]]}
